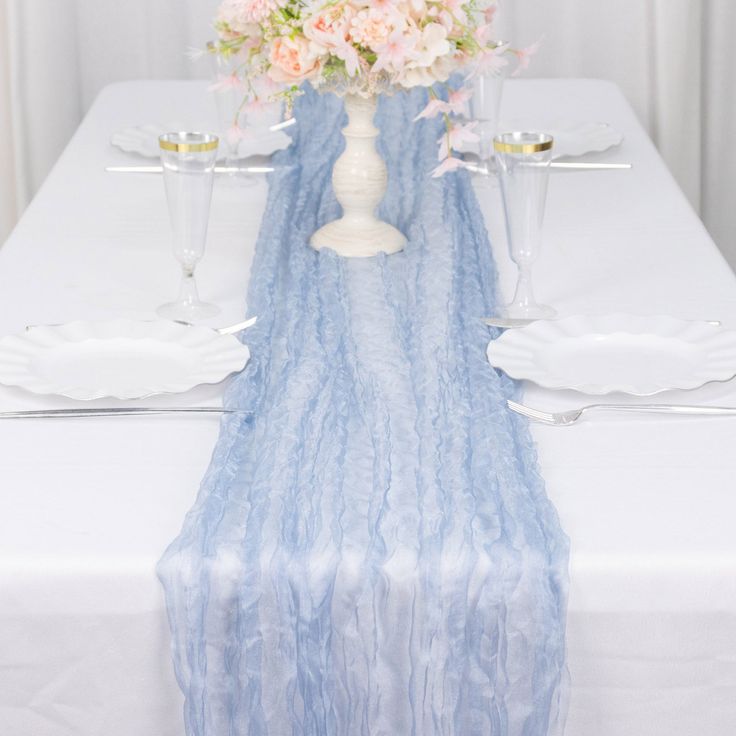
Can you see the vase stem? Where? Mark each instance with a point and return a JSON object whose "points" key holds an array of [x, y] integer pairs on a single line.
{"points": [[359, 180]]}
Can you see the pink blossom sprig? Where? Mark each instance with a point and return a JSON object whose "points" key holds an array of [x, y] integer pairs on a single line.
{"points": [[491, 61]]}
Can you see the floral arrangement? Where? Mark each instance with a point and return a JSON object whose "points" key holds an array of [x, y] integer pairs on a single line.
{"points": [[361, 47]]}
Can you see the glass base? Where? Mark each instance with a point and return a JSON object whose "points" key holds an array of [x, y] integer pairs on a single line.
{"points": [[238, 179], [527, 311], [188, 311], [481, 167], [484, 173], [484, 180]]}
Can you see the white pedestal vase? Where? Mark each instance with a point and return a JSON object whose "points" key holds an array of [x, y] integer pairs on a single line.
{"points": [[359, 180]]}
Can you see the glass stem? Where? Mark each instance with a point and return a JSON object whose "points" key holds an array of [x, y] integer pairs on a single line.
{"points": [[524, 296], [486, 148], [188, 293]]}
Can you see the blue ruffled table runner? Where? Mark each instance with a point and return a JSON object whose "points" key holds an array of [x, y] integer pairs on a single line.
{"points": [[373, 552]]}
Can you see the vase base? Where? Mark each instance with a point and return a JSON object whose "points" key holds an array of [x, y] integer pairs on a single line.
{"points": [[358, 241]]}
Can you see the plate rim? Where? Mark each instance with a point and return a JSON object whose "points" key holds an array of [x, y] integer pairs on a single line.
{"points": [[140, 149], [517, 124], [600, 389], [568, 126], [239, 356]]}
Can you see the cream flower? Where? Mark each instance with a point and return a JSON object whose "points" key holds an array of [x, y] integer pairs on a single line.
{"points": [[430, 61], [426, 76], [432, 44]]}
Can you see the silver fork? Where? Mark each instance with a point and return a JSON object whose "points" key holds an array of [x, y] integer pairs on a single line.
{"points": [[566, 418]]}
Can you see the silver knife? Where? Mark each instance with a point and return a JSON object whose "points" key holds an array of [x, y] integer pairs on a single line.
{"points": [[561, 165], [218, 169], [229, 330], [267, 169], [592, 166], [284, 124], [510, 322], [117, 412]]}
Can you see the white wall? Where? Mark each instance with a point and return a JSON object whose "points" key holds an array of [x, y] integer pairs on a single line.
{"points": [[672, 58]]}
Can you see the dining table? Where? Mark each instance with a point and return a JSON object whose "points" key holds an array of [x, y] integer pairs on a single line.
{"points": [[88, 506]]}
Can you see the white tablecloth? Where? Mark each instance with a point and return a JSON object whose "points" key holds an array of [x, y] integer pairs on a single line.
{"points": [[87, 507]]}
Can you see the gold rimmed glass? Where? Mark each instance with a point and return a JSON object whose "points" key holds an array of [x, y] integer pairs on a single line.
{"points": [[523, 161], [188, 161]]}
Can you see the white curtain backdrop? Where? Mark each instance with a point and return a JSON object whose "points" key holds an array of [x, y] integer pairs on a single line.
{"points": [[674, 61], [672, 58]]}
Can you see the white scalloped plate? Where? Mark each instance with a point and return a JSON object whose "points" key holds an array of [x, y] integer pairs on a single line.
{"points": [[143, 140], [121, 359], [577, 139], [617, 352]]}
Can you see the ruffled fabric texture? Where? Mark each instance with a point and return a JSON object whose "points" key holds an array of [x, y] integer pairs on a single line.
{"points": [[372, 553]]}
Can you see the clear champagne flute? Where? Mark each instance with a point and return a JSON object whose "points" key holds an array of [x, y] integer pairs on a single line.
{"points": [[229, 95], [485, 109], [188, 161], [523, 168]]}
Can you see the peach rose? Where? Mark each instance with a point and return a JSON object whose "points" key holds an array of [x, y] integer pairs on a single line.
{"points": [[292, 60], [372, 27], [330, 27]]}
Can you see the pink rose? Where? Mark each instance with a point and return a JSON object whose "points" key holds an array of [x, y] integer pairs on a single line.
{"points": [[292, 61]]}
